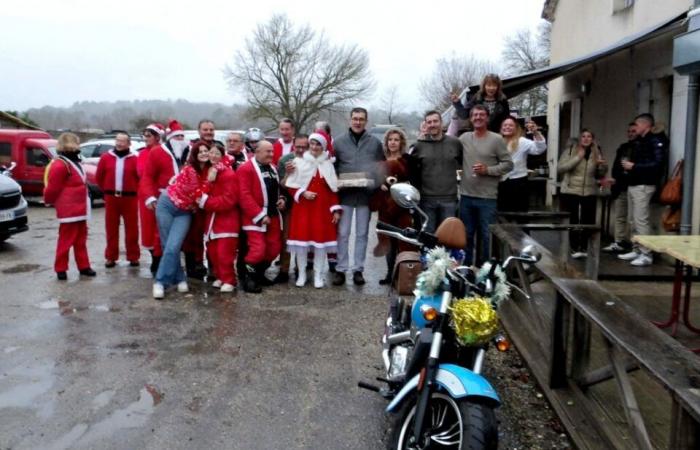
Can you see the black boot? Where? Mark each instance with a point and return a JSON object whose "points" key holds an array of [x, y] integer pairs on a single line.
{"points": [[155, 261], [262, 279], [193, 268], [250, 282]]}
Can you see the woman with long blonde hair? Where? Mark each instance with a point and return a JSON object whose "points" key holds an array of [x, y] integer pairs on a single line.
{"points": [[513, 190]]}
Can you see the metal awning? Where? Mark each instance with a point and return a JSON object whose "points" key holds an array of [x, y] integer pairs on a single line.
{"points": [[520, 83]]}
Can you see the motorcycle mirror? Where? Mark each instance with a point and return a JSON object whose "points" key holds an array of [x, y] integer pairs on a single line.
{"points": [[405, 195], [531, 253]]}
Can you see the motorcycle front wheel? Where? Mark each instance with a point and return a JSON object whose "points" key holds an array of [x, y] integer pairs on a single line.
{"points": [[458, 424]]}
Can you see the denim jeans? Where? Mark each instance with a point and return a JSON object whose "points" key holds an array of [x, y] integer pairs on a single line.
{"points": [[477, 214], [437, 211], [362, 216], [173, 224]]}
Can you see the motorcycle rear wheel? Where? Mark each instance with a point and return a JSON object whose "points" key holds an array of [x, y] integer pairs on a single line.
{"points": [[458, 424]]}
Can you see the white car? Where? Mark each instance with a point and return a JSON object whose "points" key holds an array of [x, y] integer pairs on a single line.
{"points": [[91, 151]]}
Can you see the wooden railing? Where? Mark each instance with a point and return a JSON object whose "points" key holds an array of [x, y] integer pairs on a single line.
{"points": [[614, 379]]}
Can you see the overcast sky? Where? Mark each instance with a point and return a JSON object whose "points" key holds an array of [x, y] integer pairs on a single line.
{"points": [[59, 52]]}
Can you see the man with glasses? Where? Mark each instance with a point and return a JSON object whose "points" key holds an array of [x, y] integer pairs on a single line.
{"points": [[285, 165], [358, 153], [235, 148]]}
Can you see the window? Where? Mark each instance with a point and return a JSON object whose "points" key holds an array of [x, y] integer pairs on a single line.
{"points": [[86, 151], [621, 5], [36, 157], [5, 153], [101, 149]]}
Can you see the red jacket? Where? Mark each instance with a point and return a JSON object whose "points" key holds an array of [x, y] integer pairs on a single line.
{"points": [[221, 205], [160, 168], [66, 189], [277, 151], [253, 195], [115, 174]]}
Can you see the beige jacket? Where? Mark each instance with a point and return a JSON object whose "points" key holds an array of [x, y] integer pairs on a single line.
{"points": [[580, 174]]}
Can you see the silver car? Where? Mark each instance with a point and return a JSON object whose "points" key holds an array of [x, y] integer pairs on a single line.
{"points": [[13, 206]]}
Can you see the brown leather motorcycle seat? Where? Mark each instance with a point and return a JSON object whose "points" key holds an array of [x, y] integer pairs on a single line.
{"points": [[451, 233]]}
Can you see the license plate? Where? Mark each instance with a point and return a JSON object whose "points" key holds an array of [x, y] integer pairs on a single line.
{"points": [[6, 215]]}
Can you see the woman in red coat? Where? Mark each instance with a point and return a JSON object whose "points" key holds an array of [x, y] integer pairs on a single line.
{"points": [[316, 212], [66, 189], [395, 169], [222, 222]]}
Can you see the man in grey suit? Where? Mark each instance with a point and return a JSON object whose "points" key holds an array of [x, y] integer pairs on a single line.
{"points": [[356, 152]]}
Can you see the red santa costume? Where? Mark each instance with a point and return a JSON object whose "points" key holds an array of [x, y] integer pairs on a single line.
{"points": [[222, 223], [159, 168], [281, 148], [117, 176], [313, 221], [66, 189], [259, 193]]}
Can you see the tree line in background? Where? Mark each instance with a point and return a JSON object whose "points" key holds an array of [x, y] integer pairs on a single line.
{"points": [[292, 71]]}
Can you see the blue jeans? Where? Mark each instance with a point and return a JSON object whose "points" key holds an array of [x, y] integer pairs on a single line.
{"points": [[477, 214], [437, 211], [362, 216], [173, 224]]}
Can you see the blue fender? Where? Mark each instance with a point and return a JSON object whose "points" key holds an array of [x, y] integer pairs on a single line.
{"points": [[458, 381]]}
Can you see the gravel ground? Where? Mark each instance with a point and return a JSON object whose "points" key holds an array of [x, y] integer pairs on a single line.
{"points": [[526, 421]]}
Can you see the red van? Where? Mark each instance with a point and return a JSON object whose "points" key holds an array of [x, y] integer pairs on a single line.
{"points": [[31, 151]]}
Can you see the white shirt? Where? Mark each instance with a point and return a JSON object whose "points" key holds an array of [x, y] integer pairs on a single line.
{"points": [[525, 147]]}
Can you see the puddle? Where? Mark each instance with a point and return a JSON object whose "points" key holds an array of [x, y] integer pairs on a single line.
{"points": [[102, 399], [133, 416], [21, 268], [11, 349], [66, 308], [27, 385]]}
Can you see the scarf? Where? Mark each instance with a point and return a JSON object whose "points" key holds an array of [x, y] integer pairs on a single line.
{"points": [[306, 168]]}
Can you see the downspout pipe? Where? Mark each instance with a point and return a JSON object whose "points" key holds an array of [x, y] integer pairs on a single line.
{"points": [[691, 132]]}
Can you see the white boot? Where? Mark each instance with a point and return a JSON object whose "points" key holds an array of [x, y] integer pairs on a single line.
{"points": [[301, 268], [319, 262]]}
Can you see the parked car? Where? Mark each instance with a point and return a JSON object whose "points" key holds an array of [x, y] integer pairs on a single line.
{"points": [[13, 206], [379, 130]]}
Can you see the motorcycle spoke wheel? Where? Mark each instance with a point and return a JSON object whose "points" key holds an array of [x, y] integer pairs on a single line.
{"points": [[446, 424]]}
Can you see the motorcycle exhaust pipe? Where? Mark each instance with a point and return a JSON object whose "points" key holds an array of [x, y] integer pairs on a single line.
{"points": [[369, 387]]}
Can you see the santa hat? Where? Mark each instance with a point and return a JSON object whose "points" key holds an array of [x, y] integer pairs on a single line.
{"points": [[318, 137], [156, 128], [329, 142], [174, 129]]}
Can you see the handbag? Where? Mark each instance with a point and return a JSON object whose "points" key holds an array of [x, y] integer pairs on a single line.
{"points": [[672, 192], [406, 271], [671, 219]]}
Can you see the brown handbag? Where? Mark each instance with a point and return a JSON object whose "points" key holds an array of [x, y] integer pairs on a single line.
{"points": [[671, 219], [406, 271], [672, 192]]}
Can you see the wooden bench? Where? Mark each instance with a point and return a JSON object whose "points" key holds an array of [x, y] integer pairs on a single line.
{"points": [[558, 347]]}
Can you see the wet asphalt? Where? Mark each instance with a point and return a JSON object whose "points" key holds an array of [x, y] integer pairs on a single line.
{"points": [[97, 363]]}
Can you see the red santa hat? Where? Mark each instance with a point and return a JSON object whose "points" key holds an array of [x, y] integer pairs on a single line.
{"points": [[174, 129], [156, 128], [320, 138], [329, 142]]}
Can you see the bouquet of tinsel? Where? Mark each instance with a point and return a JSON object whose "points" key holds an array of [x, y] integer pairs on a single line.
{"points": [[474, 320], [501, 290], [430, 280]]}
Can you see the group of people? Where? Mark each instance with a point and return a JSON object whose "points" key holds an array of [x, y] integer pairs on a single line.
{"points": [[234, 208]]}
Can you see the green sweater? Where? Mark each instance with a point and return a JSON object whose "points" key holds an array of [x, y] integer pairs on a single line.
{"points": [[491, 151]]}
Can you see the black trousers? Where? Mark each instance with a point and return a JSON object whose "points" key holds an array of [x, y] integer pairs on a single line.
{"points": [[582, 211], [513, 195]]}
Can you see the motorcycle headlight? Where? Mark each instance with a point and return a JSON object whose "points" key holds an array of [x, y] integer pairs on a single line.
{"points": [[429, 313]]}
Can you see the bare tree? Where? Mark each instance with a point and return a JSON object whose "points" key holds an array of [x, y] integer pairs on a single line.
{"points": [[524, 52], [390, 104], [452, 74], [288, 71]]}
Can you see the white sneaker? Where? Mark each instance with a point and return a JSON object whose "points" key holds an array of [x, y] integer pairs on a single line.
{"points": [[318, 280], [579, 255], [182, 287], [158, 291], [217, 283], [629, 256], [227, 287], [614, 247], [642, 260]]}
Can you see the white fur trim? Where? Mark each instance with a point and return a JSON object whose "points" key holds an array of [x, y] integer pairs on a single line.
{"points": [[312, 244], [118, 172], [213, 236], [260, 215], [176, 168], [298, 194], [320, 139], [335, 208], [150, 200], [262, 228], [73, 219], [202, 201]]}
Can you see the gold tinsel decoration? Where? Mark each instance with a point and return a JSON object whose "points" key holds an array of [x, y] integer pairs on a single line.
{"points": [[474, 320]]}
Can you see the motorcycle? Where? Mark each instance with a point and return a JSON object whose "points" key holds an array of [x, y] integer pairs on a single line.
{"points": [[434, 344]]}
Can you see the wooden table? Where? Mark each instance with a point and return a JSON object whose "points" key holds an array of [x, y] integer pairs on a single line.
{"points": [[686, 251]]}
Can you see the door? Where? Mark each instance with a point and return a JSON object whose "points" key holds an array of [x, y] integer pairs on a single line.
{"points": [[36, 159]]}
